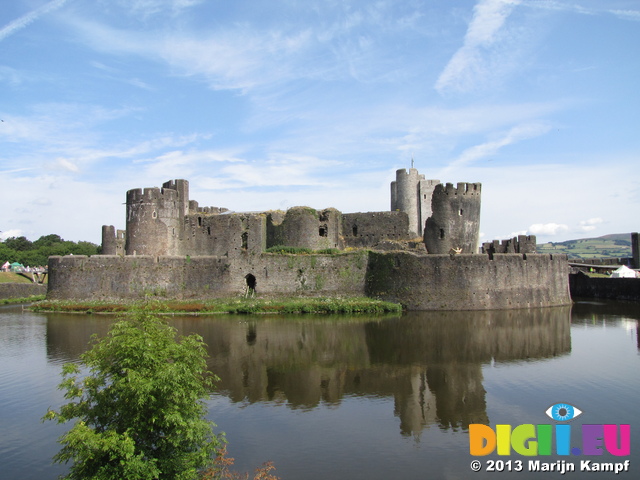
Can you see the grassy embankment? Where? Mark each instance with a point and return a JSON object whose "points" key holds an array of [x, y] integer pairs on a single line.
{"points": [[9, 277], [347, 305]]}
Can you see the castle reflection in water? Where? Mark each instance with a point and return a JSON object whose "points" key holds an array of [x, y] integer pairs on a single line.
{"points": [[429, 362]]}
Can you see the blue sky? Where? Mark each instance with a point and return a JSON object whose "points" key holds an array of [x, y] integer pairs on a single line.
{"points": [[268, 105]]}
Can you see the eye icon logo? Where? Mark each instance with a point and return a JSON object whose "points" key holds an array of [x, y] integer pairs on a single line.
{"points": [[563, 412]]}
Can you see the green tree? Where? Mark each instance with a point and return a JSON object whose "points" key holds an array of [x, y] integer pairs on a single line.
{"points": [[47, 240], [18, 243], [140, 409]]}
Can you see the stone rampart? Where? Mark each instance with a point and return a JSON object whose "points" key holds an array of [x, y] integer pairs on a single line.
{"points": [[582, 285], [469, 282], [102, 277], [519, 244], [21, 290], [419, 282]]}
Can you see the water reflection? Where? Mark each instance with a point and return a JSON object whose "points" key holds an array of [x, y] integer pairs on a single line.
{"points": [[430, 363], [594, 313]]}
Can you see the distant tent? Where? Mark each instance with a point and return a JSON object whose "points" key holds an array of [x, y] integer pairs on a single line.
{"points": [[623, 272], [6, 267], [16, 267]]}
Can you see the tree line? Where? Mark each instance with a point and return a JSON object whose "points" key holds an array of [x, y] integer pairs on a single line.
{"points": [[28, 253]]}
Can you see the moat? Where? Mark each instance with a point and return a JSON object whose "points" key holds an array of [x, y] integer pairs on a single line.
{"points": [[356, 397]]}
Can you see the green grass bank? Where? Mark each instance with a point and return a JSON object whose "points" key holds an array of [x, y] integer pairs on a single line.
{"points": [[322, 305]]}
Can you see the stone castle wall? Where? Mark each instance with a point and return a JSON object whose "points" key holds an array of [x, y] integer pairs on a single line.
{"points": [[455, 219], [419, 282], [104, 277], [581, 285], [519, 244], [21, 290], [165, 222], [469, 282], [360, 230]]}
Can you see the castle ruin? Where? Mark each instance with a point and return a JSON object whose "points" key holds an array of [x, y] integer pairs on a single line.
{"points": [[164, 221], [423, 253]]}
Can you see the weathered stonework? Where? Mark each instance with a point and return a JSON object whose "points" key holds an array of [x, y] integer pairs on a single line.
{"points": [[21, 290], [419, 282], [519, 244], [173, 248], [454, 223]]}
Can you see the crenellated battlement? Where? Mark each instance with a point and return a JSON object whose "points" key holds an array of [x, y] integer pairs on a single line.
{"points": [[454, 224], [413, 172], [212, 210], [519, 244], [462, 188], [151, 195]]}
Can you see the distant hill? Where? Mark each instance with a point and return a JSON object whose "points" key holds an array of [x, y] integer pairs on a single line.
{"points": [[617, 245]]}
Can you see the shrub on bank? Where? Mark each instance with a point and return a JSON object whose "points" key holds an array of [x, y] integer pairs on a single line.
{"points": [[139, 412]]}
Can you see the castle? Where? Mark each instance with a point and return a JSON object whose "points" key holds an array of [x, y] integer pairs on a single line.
{"points": [[164, 221], [422, 253]]}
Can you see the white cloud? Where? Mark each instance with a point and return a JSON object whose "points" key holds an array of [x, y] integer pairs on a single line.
{"points": [[487, 149], [471, 63], [548, 229], [147, 8], [590, 225], [574, 7], [30, 17], [67, 164], [10, 233], [627, 14]]}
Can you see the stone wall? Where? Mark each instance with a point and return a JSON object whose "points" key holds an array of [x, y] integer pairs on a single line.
{"points": [[21, 290], [304, 227], [419, 282], [469, 282], [519, 244], [113, 277], [370, 228], [582, 285], [455, 220]]}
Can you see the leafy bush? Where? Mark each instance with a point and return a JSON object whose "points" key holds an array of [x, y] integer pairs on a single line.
{"points": [[140, 411]]}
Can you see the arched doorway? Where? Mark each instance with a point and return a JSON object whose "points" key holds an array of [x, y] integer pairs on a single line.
{"points": [[251, 285]]}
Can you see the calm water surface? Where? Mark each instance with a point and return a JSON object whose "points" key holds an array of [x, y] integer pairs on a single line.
{"points": [[354, 397]]}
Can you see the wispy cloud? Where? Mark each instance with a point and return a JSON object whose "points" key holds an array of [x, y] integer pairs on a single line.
{"points": [[573, 7], [469, 64], [30, 17], [147, 8], [627, 14], [487, 149]]}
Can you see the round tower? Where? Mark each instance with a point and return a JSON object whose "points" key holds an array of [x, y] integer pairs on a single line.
{"points": [[155, 218], [108, 240], [454, 224], [300, 228], [405, 197]]}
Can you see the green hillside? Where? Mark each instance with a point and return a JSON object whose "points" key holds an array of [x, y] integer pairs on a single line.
{"points": [[616, 245]]}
